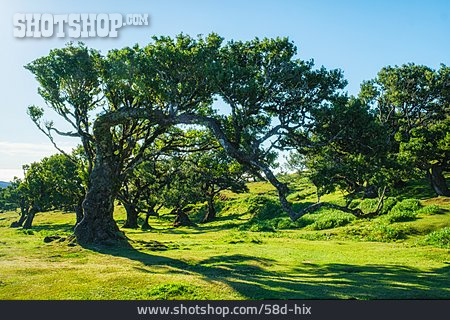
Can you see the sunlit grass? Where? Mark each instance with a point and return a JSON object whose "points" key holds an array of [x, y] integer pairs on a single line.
{"points": [[223, 260]]}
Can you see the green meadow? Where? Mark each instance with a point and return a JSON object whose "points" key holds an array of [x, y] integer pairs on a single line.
{"points": [[251, 251]]}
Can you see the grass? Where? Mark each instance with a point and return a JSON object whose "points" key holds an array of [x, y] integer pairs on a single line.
{"points": [[325, 255], [440, 238]]}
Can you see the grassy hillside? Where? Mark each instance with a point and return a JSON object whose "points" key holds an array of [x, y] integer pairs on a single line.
{"points": [[252, 251]]}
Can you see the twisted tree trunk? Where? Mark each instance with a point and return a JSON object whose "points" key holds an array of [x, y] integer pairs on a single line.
{"points": [[98, 225], [30, 217], [182, 219], [211, 211], [145, 225], [150, 212], [132, 216], [23, 215], [437, 180]]}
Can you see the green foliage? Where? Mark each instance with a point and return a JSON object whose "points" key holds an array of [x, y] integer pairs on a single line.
{"points": [[11, 196], [348, 150], [407, 205], [316, 236], [388, 204], [328, 219], [414, 102], [384, 232], [52, 183], [398, 216], [429, 210], [379, 231], [218, 261], [405, 210], [261, 226], [264, 208], [265, 214], [283, 223], [370, 205], [439, 238], [306, 220]]}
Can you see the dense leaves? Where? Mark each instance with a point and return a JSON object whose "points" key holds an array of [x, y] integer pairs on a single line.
{"points": [[135, 111]]}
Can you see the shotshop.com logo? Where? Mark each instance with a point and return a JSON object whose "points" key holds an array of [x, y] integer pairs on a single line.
{"points": [[74, 25]]}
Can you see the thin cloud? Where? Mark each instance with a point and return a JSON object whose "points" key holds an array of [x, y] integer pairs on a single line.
{"points": [[9, 174], [14, 148], [15, 154], [20, 148]]}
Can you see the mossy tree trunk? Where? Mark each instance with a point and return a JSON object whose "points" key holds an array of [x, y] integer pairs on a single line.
{"points": [[98, 225]]}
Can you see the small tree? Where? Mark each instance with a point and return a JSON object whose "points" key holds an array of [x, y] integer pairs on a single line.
{"points": [[52, 183], [215, 172]]}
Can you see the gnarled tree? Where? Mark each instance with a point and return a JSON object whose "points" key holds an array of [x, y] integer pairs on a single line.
{"points": [[271, 95]]}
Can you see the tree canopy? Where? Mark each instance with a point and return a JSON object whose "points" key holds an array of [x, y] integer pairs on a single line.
{"points": [[131, 101]]}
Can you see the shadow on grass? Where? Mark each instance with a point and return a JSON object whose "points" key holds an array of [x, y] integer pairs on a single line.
{"points": [[250, 276], [49, 227]]}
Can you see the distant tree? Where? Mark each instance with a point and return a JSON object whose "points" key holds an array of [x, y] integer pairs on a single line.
{"points": [[52, 183], [10, 196], [349, 151], [158, 167], [181, 191], [413, 102], [214, 171], [141, 190], [428, 148]]}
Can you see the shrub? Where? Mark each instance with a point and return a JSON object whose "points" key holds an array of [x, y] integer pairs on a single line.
{"points": [[284, 223], [386, 233], [439, 238], [398, 216], [405, 210], [370, 205], [380, 232], [261, 226], [332, 219], [388, 204], [355, 204], [264, 208], [305, 220], [430, 210], [407, 205]]}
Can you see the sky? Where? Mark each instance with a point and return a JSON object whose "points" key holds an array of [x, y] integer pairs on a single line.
{"points": [[359, 37]]}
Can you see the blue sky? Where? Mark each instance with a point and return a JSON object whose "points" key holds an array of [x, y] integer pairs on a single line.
{"points": [[360, 37]]}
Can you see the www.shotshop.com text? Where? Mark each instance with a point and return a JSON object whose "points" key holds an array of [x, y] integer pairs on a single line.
{"points": [[263, 309]]}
